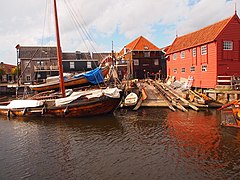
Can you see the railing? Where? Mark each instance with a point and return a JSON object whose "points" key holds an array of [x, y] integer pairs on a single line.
{"points": [[224, 80], [46, 68], [232, 81]]}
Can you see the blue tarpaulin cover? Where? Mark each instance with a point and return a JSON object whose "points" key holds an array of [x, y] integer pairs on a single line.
{"points": [[94, 76]]}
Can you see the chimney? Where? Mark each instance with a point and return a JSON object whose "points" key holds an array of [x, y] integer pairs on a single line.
{"points": [[78, 54]]}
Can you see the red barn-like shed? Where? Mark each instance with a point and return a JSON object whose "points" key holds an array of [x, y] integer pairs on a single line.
{"points": [[207, 53]]}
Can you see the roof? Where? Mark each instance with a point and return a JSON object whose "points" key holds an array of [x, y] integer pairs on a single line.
{"points": [[165, 49], [100, 56], [7, 67], [84, 55], [29, 52], [68, 55], [140, 44], [203, 36], [76, 55]]}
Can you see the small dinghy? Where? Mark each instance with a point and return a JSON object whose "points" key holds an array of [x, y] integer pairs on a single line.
{"points": [[131, 99]]}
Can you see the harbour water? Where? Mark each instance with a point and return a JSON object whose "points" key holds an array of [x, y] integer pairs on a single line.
{"points": [[151, 143]]}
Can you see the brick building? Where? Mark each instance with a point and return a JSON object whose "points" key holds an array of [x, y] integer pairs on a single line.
{"points": [[37, 63], [8, 73]]}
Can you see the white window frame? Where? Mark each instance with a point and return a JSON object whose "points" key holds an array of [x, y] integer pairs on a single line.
{"points": [[147, 53], [228, 45], [174, 56], [136, 62], [175, 70], [28, 77], [204, 50], [89, 65], [72, 65], [156, 62], [192, 69], [183, 70], [194, 52], [204, 68], [182, 54]]}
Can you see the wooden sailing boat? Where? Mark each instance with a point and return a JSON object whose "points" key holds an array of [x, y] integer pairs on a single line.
{"points": [[230, 114], [73, 81], [78, 104]]}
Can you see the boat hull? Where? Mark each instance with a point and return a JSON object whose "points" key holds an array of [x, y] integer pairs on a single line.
{"points": [[231, 117], [236, 112], [131, 100], [101, 106]]}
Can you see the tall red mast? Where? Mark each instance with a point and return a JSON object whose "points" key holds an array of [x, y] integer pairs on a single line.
{"points": [[59, 53]]}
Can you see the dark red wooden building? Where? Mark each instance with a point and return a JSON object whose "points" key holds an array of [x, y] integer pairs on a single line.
{"points": [[143, 59], [206, 54]]}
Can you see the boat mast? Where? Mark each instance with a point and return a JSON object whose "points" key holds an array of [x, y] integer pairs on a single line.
{"points": [[59, 54]]}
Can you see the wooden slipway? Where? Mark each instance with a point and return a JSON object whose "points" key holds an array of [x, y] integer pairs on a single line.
{"points": [[159, 95], [154, 98]]}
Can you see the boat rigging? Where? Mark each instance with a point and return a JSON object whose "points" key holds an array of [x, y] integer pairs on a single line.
{"points": [[90, 102]]}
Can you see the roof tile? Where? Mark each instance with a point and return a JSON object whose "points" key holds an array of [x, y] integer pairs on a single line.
{"points": [[200, 37], [140, 44]]}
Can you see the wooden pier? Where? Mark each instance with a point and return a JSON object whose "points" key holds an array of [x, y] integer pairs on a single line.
{"points": [[223, 96], [159, 95], [154, 98]]}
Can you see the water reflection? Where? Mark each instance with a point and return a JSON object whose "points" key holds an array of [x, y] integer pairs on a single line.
{"points": [[195, 138], [150, 143], [51, 147]]}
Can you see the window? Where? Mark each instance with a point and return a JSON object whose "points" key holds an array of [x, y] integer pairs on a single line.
{"points": [[183, 54], [227, 45], [40, 63], [72, 65], [203, 50], [89, 65], [174, 56], [28, 78], [204, 67], [183, 70], [156, 62], [192, 68], [175, 70], [136, 62], [147, 54], [194, 52]]}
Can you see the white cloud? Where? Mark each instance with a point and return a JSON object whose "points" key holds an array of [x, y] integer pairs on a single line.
{"points": [[205, 13], [23, 21]]}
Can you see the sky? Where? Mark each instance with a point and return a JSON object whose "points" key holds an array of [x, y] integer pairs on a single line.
{"points": [[99, 25]]}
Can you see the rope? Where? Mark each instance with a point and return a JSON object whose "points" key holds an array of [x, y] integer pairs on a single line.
{"points": [[27, 65], [82, 29], [73, 13]]}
